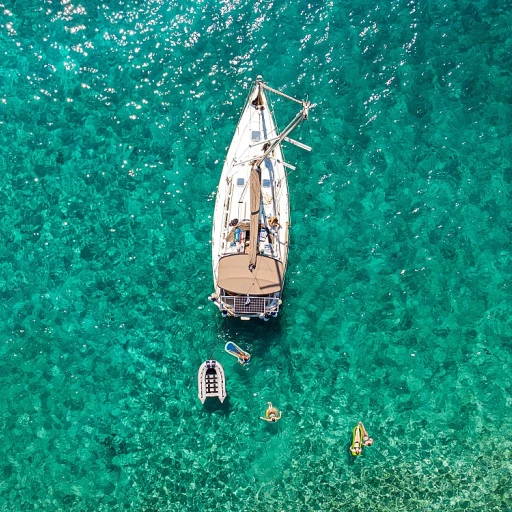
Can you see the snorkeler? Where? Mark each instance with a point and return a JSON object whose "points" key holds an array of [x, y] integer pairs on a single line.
{"points": [[368, 441], [271, 414]]}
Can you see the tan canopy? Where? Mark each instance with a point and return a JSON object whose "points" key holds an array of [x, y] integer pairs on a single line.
{"points": [[235, 276], [255, 200]]}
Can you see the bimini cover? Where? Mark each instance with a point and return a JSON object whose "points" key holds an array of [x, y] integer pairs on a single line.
{"points": [[235, 277]]}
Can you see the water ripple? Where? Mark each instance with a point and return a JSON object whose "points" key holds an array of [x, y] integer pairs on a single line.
{"points": [[115, 118]]}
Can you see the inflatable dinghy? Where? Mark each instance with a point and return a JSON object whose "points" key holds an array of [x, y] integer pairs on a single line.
{"points": [[211, 381]]}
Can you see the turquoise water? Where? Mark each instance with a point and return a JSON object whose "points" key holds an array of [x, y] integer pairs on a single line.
{"points": [[114, 122]]}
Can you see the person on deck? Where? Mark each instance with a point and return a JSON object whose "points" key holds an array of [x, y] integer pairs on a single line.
{"points": [[273, 222]]}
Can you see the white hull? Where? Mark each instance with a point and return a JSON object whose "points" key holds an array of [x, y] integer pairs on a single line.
{"points": [[211, 381], [237, 292]]}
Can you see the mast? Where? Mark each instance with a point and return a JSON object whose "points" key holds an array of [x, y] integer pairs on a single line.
{"points": [[255, 177], [301, 116]]}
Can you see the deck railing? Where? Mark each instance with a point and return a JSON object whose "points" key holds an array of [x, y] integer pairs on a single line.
{"points": [[249, 305]]}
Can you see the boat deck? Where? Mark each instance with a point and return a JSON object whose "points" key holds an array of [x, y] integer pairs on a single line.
{"points": [[237, 240], [235, 232]]}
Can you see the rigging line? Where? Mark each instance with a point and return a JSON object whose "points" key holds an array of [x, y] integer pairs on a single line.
{"points": [[300, 133], [246, 101], [242, 198], [243, 110], [275, 91], [281, 188], [278, 195], [271, 108]]}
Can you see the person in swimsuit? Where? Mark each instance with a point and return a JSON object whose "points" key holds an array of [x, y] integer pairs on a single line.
{"points": [[273, 222], [356, 448], [271, 414], [243, 358], [368, 441]]}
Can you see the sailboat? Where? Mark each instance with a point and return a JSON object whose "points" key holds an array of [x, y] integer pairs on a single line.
{"points": [[251, 221]]}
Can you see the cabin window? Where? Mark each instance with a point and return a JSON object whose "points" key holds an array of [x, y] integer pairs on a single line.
{"points": [[240, 182], [255, 135], [266, 183]]}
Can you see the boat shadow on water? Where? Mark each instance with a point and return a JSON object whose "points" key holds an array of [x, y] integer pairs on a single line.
{"points": [[273, 429], [213, 406]]}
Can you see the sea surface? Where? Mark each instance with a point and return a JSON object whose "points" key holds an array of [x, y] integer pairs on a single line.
{"points": [[115, 118]]}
